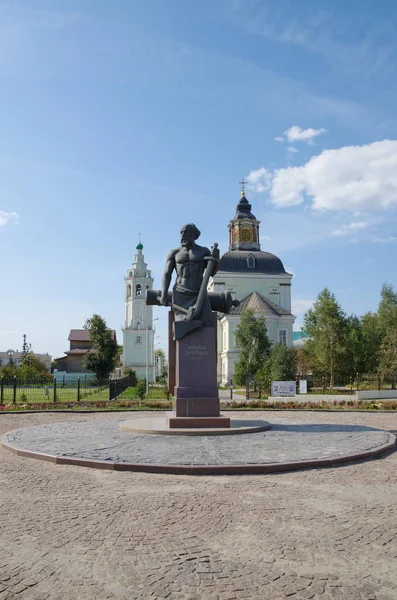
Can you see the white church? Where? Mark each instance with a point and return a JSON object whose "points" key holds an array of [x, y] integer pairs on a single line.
{"points": [[258, 279], [138, 333]]}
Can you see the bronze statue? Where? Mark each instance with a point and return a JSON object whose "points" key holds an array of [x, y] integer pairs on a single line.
{"points": [[194, 265], [191, 304]]}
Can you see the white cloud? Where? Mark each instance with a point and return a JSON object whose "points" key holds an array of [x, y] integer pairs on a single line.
{"points": [[387, 239], [291, 149], [296, 134], [6, 216], [300, 307], [354, 178], [351, 228], [259, 180]]}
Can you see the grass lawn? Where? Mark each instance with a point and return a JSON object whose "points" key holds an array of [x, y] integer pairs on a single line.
{"points": [[40, 394], [154, 393]]}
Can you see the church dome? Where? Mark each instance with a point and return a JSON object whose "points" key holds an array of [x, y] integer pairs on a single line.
{"points": [[246, 261], [243, 209], [139, 246]]}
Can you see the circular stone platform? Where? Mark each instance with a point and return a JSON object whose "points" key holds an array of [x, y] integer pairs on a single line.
{"points": [[101, 444], [159, 426]]}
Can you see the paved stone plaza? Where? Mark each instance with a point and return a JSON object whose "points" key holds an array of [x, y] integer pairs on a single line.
{"points": [[68, 532], [285, 445]]}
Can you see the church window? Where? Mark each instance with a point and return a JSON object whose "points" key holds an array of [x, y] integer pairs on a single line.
{"points": [[251, 261], [129, 290], [138, 339], [282, 336], [246, 234], [138, 290], [148, 287], [138, 324], [130, 274]]}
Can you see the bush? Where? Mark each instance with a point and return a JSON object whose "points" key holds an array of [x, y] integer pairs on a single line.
{"points": [[133, 378], [141, 389]]}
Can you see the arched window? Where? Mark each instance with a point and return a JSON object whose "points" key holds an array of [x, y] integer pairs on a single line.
{"points": [[138, 290], [138, 324], [138, 339], [148, 287], [251, 261], [129, 290]]}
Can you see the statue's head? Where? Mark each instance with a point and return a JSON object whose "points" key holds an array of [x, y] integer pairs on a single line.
{"points": [[189, 234]]}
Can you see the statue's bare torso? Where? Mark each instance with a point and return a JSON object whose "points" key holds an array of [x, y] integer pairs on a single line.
{"points": [[189, 262], [189, 265]]}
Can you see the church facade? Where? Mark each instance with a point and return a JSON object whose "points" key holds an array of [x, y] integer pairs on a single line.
{"points": [[259, 280], [138, 333]]}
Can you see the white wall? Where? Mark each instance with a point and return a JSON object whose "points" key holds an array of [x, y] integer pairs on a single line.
{"points": [[376, 394]]}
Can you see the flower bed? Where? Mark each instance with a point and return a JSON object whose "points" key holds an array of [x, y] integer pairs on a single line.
{"points": [[235, 406]]}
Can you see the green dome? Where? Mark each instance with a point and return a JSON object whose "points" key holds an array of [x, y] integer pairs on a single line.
{"points": [[139, 246]]}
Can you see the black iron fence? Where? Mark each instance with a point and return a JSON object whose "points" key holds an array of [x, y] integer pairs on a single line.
{"points": [[118, 386], [75, 390], [16, 391]]}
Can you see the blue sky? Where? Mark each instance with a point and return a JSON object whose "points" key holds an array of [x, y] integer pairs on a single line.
{"points": [[119, 117]]}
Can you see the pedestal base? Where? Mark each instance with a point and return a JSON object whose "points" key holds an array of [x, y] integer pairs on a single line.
{"points": [[196, 407], [197, 422], [161, 426], [196, 389]]}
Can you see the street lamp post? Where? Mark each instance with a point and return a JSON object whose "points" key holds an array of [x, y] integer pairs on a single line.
{"points": [[156, 337], [147, 357]]}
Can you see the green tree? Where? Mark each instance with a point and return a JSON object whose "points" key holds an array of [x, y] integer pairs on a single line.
{"points": [[388, 357], [254, 345], [281, 364], [132, 375], [26, 352], [387, 310], [371, 340], [355, 351], [326, 326], [141, 389], [8, 372], [105, 353], [160, 353]]}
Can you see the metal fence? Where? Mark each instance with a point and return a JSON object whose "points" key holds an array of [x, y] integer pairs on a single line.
{"points": [[52, 391], [118, 386], [75, 390]]}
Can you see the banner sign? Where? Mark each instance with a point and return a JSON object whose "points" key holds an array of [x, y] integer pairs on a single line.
{"points": [[303, 386], [283, 388]]}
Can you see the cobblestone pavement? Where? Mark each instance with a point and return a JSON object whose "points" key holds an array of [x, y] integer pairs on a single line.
{"points": [[285, 442], [70, 533]]}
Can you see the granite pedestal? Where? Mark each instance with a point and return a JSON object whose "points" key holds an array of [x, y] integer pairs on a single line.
{"points": [[196, 399]]}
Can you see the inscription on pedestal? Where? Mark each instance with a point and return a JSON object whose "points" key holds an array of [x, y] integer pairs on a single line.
{"points": [[196, 390], [196, 352]]}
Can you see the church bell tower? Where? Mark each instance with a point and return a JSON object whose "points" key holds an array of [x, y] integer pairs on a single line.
{"points": [[244, 228], [138, 334]]}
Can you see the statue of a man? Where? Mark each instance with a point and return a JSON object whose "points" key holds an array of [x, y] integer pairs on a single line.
{"points": [[189, 261]]}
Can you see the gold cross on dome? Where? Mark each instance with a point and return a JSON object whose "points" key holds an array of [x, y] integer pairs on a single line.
{"points": [[243, 184]]}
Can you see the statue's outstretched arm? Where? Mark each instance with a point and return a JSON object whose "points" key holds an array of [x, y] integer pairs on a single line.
{"points": [[165, 284]]}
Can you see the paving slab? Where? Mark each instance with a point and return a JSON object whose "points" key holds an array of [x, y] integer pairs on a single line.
{"points": [[87, 534], [102, 444]]}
